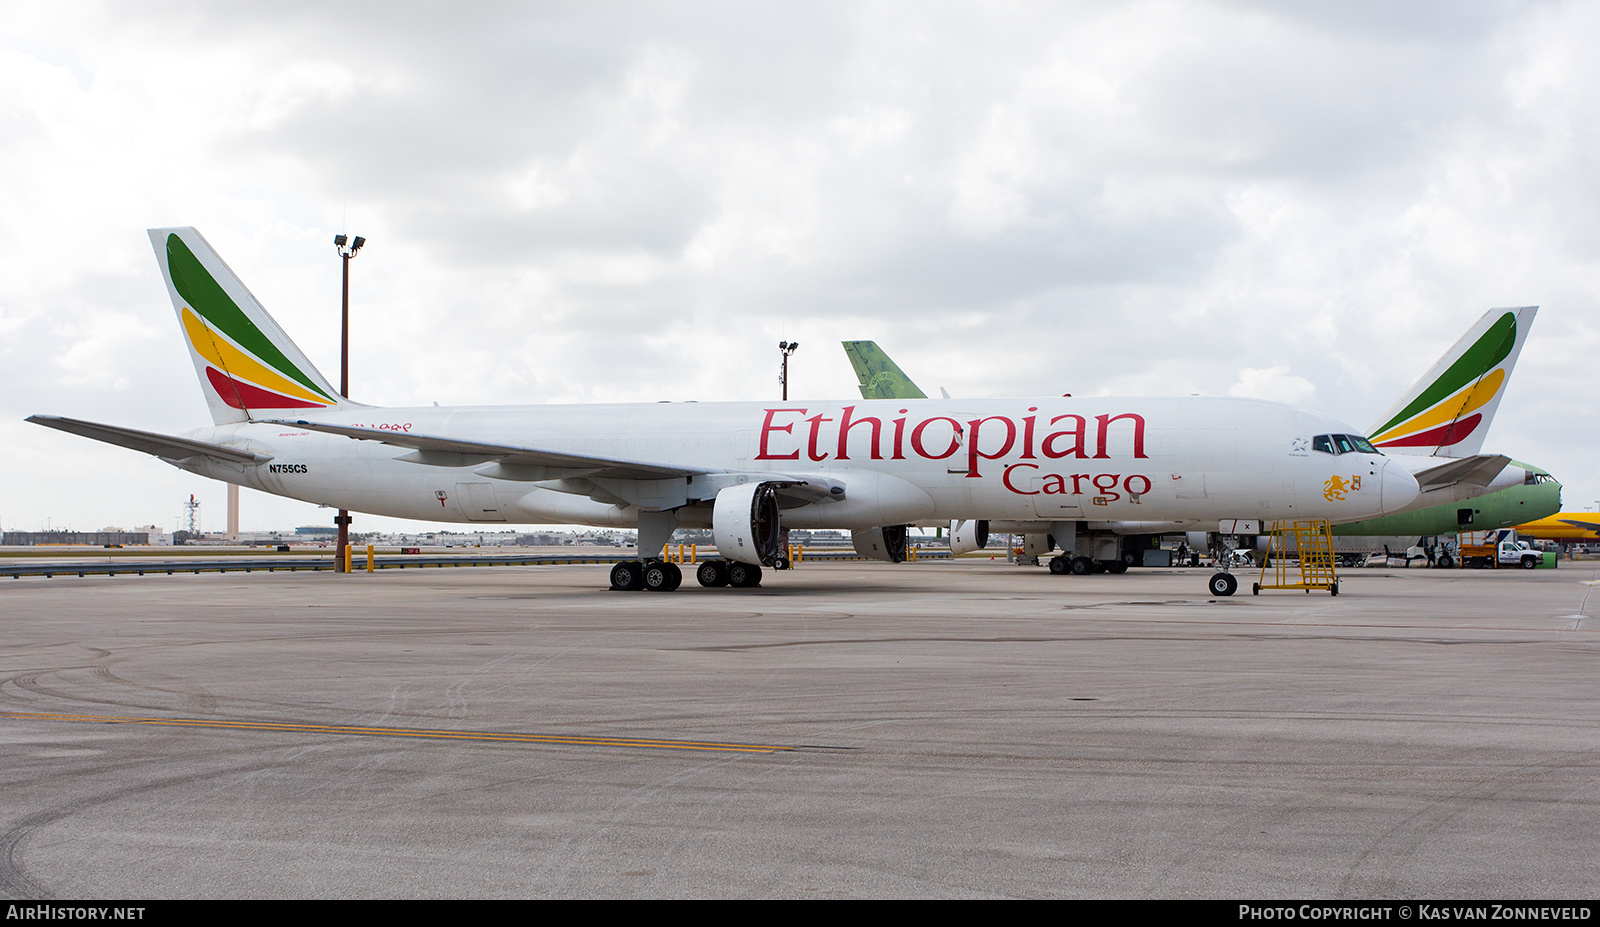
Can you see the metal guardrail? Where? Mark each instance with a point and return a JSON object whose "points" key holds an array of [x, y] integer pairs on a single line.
{"points": [[286, 565]]}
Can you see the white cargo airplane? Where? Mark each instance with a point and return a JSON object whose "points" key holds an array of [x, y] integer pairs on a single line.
{"points": [[746, 470], [1435, 431]]}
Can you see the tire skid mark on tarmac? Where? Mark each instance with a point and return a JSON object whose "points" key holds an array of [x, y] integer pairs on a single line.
{"points": [[195, 699], [14, 879], [1383, 863], [425, 733], [29, 682]]}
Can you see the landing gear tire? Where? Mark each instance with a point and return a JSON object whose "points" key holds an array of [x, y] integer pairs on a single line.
{"points": [[1128, 560], [1059, 566], [1223, 584], [655, 577], [627, 576], [1082, 566], [661, 577], [743, 575], [712, 574], [1116, 566]]}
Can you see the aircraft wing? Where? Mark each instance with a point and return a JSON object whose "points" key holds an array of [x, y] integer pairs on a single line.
{"points": [[508, 455], [1478, 470], [1582, 525], [164, 446]]}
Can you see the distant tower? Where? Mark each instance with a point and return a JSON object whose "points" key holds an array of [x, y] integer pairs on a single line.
{"points": [[193, 507]]}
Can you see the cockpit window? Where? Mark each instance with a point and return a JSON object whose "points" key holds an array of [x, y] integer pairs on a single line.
{"points": [[1531, 478], [1342, 444]]}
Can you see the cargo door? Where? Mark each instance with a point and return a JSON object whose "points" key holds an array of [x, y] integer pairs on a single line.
{"points": [[1051, 503], [478, 503]]}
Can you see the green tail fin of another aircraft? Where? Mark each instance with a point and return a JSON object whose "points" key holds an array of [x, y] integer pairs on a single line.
{"points": [[880, 377]]}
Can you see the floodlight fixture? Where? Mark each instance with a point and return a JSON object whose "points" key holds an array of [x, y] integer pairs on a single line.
{"points": [[785, 348], [347, 250]]}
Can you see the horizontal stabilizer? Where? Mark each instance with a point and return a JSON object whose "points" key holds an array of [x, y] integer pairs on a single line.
{"points": [[507, 454], [164, 446], [1479, 470]]}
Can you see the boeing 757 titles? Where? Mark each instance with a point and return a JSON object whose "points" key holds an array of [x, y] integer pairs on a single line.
{"points": [[745, 470]]}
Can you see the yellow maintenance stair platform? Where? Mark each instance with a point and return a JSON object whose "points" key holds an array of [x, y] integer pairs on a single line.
{"points": [[1313, 551]]}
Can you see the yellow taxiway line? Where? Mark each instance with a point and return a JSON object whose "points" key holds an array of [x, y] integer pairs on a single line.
{"points": [[492, 736]]}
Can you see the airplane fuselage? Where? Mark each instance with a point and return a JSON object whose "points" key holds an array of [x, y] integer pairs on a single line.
{"points": [[1180, 461]]}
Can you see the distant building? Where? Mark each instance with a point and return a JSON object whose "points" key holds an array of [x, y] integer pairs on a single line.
{"points": [[82, 538]]}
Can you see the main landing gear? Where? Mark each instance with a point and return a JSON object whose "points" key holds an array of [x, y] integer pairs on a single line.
{"points": [[661, 576], [714, 574], [1083, 566], [650, 575]]}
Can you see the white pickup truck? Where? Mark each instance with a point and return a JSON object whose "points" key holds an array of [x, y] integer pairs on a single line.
{"points": [[1497, 549]]}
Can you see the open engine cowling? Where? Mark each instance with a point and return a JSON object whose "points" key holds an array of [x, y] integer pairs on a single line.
{"points": [[968, 536], [887, 543], [745, 526]]}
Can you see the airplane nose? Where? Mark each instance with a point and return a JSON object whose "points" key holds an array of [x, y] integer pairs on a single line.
{"points": [[1398, 488]]}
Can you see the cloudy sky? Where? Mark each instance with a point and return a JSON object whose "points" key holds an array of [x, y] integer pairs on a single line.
{"points": [[574, 202]]}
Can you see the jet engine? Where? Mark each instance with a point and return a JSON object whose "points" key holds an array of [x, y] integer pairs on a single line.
{"points": [[968, 536], [887, 543], [744, 524]]}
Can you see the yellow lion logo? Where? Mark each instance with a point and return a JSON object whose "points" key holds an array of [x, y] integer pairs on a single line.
{"points": [[1334, 489]]}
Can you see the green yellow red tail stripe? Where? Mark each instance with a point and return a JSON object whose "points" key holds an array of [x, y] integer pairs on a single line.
{"points": [[1449, 410]]}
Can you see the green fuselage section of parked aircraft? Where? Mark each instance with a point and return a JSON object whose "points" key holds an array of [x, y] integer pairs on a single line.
{"points": [[1537, 497]]}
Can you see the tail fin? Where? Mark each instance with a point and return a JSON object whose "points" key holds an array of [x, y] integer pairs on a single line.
{"points": [[245, 362], [880, 377], [1448, 411]]}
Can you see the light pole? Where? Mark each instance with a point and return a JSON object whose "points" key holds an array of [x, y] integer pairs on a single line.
{"points": [[785, 348], [347, 250]]}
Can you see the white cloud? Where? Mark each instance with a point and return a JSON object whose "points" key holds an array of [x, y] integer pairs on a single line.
{"points": [[631, 202], [1274, 383]]}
